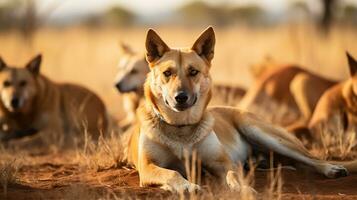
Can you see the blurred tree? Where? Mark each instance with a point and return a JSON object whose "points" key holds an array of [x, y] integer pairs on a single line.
{"points": [[252, 14], [327, 14], [298, 10], [8, 18], [120, 16], [199, 12], [29, 20], [23, 16], [349, 13]]}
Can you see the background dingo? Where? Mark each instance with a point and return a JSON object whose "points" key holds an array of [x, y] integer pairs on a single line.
{"points": [[31, 103]]}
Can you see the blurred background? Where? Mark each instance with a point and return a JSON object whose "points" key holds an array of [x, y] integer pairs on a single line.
{"points": [[79, 38]]}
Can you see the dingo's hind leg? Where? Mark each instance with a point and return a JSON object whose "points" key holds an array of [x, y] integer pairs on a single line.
{"points": [[281, 142]]}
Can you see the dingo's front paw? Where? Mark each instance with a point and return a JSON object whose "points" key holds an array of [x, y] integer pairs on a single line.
{"points": [[181, 187], [233, 184], [232, 181]]}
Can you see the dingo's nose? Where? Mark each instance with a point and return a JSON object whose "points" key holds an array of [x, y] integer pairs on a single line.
{"points": [[120, 87], [15, 103], [181, 97]]}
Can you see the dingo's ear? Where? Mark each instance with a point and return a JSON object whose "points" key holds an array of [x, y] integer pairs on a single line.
{"points": [[204, 45], [34, 65], [352, 63], [155, 46], [2, 64], [125, 48]]}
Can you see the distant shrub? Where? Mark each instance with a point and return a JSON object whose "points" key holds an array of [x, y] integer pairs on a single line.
{"points": [[199, 12], [349, 13], [119, 16], [9, 14], [248, 13]]}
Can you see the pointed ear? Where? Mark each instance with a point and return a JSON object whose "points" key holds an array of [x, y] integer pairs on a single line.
{"points": [[352, 64], [34, 65], [125, 48], [155, 46], [204, 45], [2, 64]]}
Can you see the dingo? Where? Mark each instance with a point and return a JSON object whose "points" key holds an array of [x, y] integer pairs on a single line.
{"points": [[30, 103], [337, 108], [175, 119], [290, 86]]}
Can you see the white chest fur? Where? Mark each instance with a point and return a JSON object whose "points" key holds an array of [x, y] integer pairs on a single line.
{"points": [[237, 150], [179, 141]]}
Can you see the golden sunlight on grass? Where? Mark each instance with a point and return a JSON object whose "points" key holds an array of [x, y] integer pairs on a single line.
{"points": [[95, 169]]}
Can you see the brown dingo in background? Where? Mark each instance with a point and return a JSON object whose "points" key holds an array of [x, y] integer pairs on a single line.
{"points": [[30, 102], [336, 110], [285, 85]]}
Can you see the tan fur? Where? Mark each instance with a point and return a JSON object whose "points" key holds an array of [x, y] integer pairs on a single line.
{"points": [[291, 86], [223, 137], [132, 70], [47, 106], [130, 85], [336, 110], [258, 69], [227, 95]]}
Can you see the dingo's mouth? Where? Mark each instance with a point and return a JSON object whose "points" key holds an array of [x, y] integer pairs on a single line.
{"points": [[179, 107]]}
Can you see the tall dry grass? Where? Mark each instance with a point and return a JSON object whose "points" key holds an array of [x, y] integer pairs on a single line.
{"points": [[106, 152], [336, 143], [89, 56], [8, 174]]}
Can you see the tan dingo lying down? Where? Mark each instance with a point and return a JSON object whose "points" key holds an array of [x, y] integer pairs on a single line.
{"points": [[336, 110], [286, 85], [30, 103], [175, 119], [131, 76]]}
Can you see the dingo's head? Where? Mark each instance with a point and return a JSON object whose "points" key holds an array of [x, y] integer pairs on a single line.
{"points": [[133, 69], [18, 85], [179, 82], [352, 63]]}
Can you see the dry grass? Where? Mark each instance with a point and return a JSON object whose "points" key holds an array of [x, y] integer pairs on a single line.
{"points": [[100, 154], [92, 54], [212, 190], [89, 57], [8, 174], [336, 143], [275, 188]]}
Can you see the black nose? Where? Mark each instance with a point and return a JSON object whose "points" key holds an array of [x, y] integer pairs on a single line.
{"points": [[181, 97], [15, 102], [119, 87]]}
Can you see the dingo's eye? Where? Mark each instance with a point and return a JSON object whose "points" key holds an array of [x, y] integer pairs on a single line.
{"points": [[6, 83], [193, 72], [23, 83], [167, 73], [133, 71]]}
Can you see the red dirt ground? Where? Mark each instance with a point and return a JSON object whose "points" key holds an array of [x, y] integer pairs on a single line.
{"points": [[51, 177]]}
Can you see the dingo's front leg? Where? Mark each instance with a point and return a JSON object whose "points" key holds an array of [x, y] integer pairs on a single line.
{"points": [[153, 158], [151, 174]]}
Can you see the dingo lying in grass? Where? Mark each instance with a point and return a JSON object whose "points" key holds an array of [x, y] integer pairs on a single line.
{"points": [[175, 119]]}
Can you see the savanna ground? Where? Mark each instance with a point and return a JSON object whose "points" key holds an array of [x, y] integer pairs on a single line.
{"points": [[30, 170]]}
